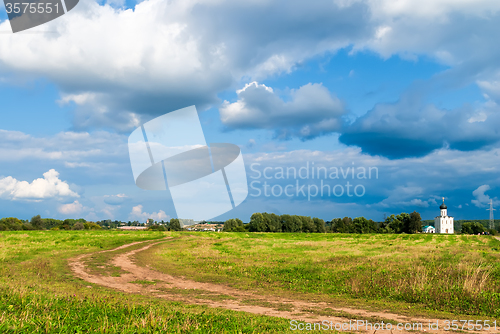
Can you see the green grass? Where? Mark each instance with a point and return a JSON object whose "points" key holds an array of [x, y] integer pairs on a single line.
{"points": [[38, 293], [416, 274]]}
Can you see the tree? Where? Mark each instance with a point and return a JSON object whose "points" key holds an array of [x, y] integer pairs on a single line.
{"points": [[78, 226], [257, 223], [175, 225], [233, 225], [273, 222], [11, 224], [334, 224], [414, 223], [37, 222], [91, 226], [363, 225], [320, 225], [290, 223], [473, 228], [343, 225], [394, 224], [307, 224]]}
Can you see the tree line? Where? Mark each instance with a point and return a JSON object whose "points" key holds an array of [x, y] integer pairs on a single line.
{"points": [[173, 225], [38, 223], [259, 222], [270, 222]]}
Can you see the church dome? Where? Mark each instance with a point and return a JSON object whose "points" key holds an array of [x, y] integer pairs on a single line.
{"points": [[443, 206]]}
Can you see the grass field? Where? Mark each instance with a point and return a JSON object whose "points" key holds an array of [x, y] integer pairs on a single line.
{"points": [[433, 275], [38, 293]]}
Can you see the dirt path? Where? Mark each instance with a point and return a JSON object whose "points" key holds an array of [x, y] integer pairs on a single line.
{"points": [[171, 288]]}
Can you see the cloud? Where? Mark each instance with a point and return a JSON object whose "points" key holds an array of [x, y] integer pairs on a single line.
{"points": [[71, 147], [404, 196], [138, 214], [115, 199], [168, 55], [90, 213], [71, 208], [98, 157], [453, 32], [311, 111], [49, 186], [409, 184], [481, 199], [409, 128]]}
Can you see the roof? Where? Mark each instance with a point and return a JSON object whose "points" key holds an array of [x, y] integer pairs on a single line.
{"points": [[443, 206]]}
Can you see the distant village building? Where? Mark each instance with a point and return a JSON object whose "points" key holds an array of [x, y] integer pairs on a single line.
{"points": [[132, 227], [443, 223], [428, 229]]}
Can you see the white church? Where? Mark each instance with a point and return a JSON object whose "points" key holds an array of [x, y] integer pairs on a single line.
{"points": [[444, 223]]}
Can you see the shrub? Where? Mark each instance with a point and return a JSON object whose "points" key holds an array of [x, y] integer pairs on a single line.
{"points": [[78, 226], [91, 226]]}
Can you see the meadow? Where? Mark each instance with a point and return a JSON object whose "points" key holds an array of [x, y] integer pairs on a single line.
{"points": [[419, 274], [39, 294]]}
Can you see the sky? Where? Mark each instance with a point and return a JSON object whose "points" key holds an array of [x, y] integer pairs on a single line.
{"points": [[408, 90]]}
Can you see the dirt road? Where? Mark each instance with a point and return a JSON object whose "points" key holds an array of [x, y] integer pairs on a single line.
{"points": [[136, 279]]}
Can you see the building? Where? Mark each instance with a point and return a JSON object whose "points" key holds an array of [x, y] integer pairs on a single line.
{"points": [[444, 223], [428, 229]]}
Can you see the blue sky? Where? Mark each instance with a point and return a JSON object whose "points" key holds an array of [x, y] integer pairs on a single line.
{"points": [[409, 88]]}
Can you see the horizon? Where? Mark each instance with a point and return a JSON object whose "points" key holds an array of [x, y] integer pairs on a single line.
{"points": [[353, 88]]}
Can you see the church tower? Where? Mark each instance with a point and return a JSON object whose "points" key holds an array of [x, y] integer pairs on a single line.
{"points": [[443, 223]]}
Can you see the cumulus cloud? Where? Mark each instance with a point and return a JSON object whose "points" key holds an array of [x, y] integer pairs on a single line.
{"points": [[409, 128], [49, 186], [71, 208], [138, 214], [482, 200], [167, 55], [311, 111]]}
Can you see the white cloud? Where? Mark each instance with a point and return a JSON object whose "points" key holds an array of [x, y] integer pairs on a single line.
{"points": [[311, 111], [119, 65], [71, 208], [115, 199], [70, 147], [138, 214], [49, 186], [482, 200]]}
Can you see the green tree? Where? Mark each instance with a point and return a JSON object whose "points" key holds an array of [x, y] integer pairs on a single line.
{"points": [[414, 223], [233, 225], [363, 225], [257, 223], [395, 224], [320, 225], [343, 225], [273, 222], [175, 225], [91, 226], [11, 224], [290, 223], [473, 228], [307, 224], [78, 226], [333, 225], [37, 222]]}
